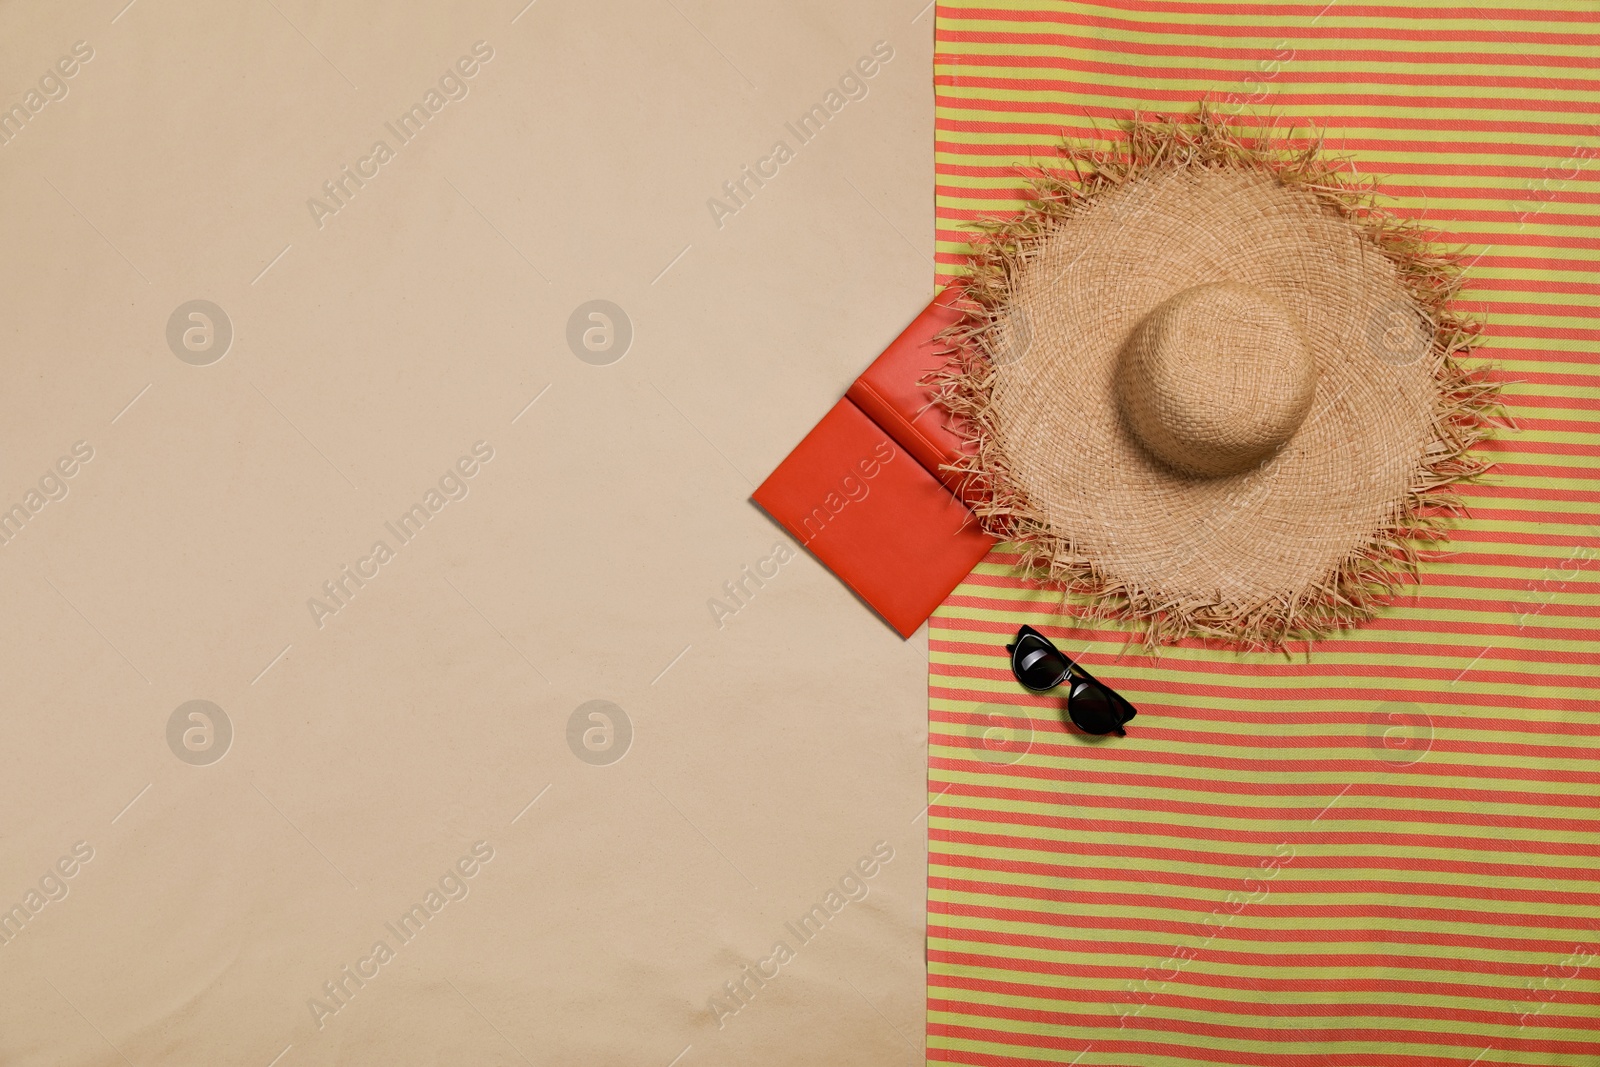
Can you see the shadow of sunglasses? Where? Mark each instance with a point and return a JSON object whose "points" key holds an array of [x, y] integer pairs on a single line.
{"points": [[1093, 706]]}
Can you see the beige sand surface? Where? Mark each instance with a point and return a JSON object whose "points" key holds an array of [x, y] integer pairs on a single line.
{"points": [[408, 739]]}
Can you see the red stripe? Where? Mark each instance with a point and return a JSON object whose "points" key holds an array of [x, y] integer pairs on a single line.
{"points": [[1127, 29], [1252, 860], [1139, 1050], [1343, 808], [1395, 788], [1258, 880], [1312, 10], [1233, 1005], [1236, 1032], [1267, 908], [1322, 965], [1561, 134], [1056, 74], [1267, 838]]}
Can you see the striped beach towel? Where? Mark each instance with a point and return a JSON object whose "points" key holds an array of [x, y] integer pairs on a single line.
{"points": [[1386, 852]]}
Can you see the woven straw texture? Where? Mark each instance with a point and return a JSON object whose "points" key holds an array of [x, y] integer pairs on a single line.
{"points": [[1217, 378], [1385, 855], [1249, 463]]}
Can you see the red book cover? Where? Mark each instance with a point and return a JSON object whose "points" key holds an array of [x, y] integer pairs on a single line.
{"points": [[874, 516], [890, 392]]}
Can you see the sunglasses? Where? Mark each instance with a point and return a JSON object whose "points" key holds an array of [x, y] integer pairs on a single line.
{"points": [[1093, 706]]}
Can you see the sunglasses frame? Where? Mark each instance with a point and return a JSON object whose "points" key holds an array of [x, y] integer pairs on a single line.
{"points": [[1080, 678]]}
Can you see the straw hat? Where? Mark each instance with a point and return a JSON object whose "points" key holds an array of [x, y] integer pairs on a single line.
{"points": [[1211, 390]]}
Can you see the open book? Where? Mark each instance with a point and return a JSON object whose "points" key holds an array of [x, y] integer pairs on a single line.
{"points": [[864, 491]]}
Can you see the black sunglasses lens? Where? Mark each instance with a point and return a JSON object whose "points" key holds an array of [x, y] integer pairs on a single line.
{"points": [[1092, 710], [1038, 666]]}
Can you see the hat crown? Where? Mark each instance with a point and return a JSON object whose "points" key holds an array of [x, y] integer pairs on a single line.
{"points": [[1216, 379]]}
